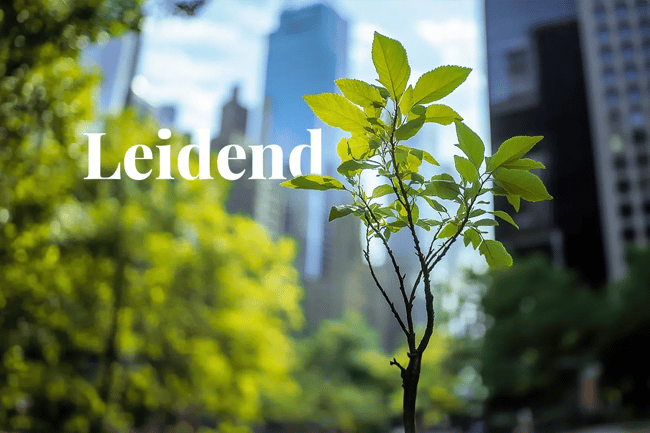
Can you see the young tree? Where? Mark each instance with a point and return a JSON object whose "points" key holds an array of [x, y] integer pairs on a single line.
{"points": [[379, 118]]}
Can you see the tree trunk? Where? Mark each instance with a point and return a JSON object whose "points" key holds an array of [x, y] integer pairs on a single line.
{"points": [[410, 378]]}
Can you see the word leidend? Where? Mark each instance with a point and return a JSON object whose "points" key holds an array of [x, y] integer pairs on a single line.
{"points": [[142, 152]]}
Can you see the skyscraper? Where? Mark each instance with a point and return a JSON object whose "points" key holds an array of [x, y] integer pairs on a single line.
{"points": [[537, 87], [616, 48], [306, 54]]}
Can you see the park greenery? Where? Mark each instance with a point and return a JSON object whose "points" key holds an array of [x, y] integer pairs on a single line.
{"points": [[380, 118]]}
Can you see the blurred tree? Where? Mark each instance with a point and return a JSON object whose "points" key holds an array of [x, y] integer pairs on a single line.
{"points": [[622, 349], [344, 380], [121, 299], [544, 325]]}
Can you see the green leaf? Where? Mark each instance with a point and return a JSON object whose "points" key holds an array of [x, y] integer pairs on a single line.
{"points": [[448, 230], [415, 212], [359, 146], [350, 167], [313, 181], [485, 222], [360, 92], [407, 158], [342, 210], [514, 200], [391, 63], [337, 111], [511, 150], [522, 183], [466, 168], [504, 216], [406, 102], [524, 164], [439, 83], [343, 150], [409, 129], [434, 204], [470, 143], [495, 254], [382, 190], [476, 212], [471, 235], [441, 114], [443, 188]]}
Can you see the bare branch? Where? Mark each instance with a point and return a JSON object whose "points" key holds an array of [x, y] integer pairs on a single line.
{"points": [[366, 255]]}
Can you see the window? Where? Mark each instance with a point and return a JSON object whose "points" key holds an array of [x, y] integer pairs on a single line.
{"points": [[644, 184], [627, 51], [609, 76], [624, 31], [644, 28], [646, 47], [621, 9], [630, 72], [614, 116], [606, 54], [619, 162], [612, 97], [646, 207], [642, 160], [628, 234], [633, 94], [599, 12], [626, 210], [636, 115], [603, 33], [623, 186], [647, 232], [642, 6], [639, 136]]}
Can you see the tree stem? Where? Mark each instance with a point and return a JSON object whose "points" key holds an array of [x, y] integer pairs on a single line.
{"points": [[410, 378]]}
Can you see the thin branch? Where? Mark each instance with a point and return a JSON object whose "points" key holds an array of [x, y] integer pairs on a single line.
{"points": [[366, 255]]}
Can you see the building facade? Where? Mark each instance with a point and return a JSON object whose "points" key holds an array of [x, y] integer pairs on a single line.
{"points": [[536, 77], [615, 38]]}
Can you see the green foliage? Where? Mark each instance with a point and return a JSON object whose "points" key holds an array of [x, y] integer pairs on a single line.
{"points": [[378, 123], [124, 299]]}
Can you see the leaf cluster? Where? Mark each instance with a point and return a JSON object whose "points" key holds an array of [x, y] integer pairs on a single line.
{"points": [[380, 118]]}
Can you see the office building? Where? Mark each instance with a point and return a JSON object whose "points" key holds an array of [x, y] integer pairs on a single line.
{"points": [[306, 54], [537, 87], [616, 47]]}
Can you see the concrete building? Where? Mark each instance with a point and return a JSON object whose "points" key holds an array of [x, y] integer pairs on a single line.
{"points": [[536, 79], [615, 37]]}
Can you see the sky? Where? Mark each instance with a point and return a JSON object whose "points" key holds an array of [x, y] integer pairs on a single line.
{"points": [[194, 62]]}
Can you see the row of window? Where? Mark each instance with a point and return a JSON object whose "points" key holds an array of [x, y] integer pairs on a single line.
{"points": [[627, 51], [629, 70], [629, 234], [623, 186], [626, 209], [621, 9], [620, 163], [624, 30]]}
